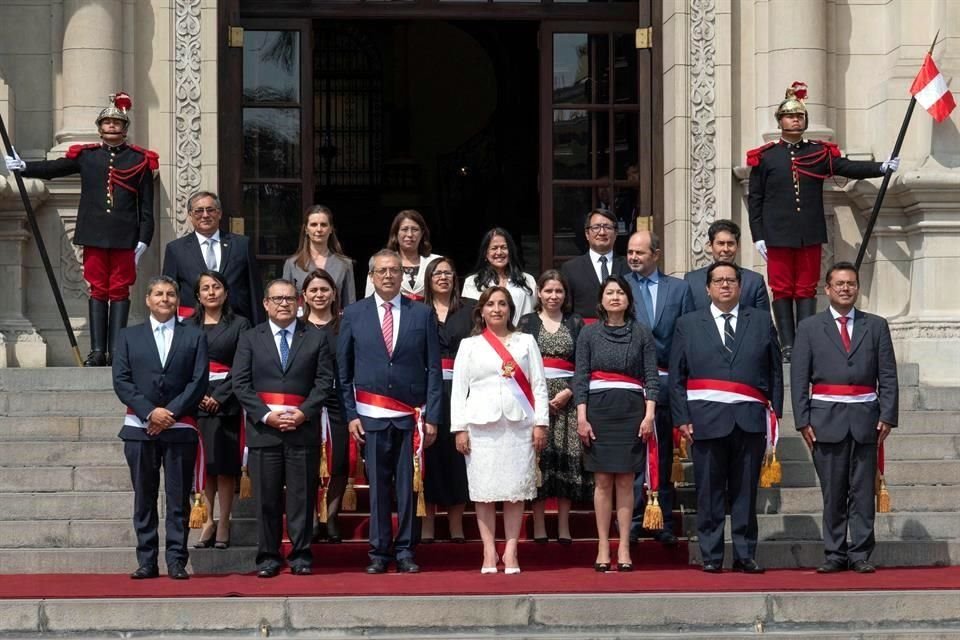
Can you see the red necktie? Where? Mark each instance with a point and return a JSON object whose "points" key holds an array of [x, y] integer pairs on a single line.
{"points": [[387, 327], [844, 334]]}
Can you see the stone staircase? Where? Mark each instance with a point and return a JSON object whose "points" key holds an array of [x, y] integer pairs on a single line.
{"points": [[65, 497]]}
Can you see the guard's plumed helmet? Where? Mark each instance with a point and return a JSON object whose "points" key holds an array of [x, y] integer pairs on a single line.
{"points": [[120, 103], [793, 101]]}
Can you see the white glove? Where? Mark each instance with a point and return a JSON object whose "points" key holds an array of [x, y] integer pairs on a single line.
{"points": [[891, 164], [761, 246], [14, 163], [138, 253]]}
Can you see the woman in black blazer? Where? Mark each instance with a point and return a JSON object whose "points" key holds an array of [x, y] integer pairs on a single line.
{"points": [[556, 329], [219, 418]]}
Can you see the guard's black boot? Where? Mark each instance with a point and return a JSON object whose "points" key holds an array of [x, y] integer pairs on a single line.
{"points": [[806, 307], [119, 311], [98, 334], [783, 314]]}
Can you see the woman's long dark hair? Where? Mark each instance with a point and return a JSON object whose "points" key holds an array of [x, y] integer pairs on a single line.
{"points": [[302, 257], [628, 313], [226, 311], [393, 243], [334, 304], [455, 303], [487, 275], [478, 324]]}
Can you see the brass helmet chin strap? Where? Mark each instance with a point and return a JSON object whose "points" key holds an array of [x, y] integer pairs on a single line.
{"points": [[793, 103]]}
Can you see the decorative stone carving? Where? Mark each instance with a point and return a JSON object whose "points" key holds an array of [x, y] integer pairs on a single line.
{"points": [[187, 81], [703, 129], [71, 263]]}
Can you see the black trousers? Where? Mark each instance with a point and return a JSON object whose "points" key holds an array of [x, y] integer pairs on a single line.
{"points": [[145, 458], [272, 468], [725, 469], [389, 460], [665, 494], [847, 472]]}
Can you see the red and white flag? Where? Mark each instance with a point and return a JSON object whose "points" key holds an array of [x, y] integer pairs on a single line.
{"points": [[930, 90]]}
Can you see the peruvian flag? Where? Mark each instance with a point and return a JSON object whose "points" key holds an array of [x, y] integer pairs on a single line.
{"points": [[930, 90]]}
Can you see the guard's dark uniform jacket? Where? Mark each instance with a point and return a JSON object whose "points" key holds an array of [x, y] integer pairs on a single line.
{"points": [[785, 199], [116, 192]]}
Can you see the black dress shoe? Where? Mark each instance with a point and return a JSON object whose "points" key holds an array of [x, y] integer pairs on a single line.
{"points": [[301, 571], [832, 566], [565, 540], [268, 572], [624, 567], [862, 566], [542, 540], [712, 567], [601, 567], [177, 572], [666, 538], [145, 573], [377, 566], [747, 566], [405, 565], [458, 540]]}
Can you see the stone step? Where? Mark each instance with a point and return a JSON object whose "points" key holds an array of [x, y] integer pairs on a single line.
{"points": [[808, 500], [59, 479], [793, 554], [801, 473], [847, 614], [900, 446], [44, 428], [61, 403], [900, 526], [913, 422], [57, 454]]}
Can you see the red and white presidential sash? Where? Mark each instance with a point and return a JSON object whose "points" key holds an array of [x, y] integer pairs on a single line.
{"points": [[728, 392], [447, 365], [281, 402], [517, 380], [846, 393], [218, 370], [663, 373], [185, 422], [604, 380], [556, 368], [374, 405], [184, 312]]}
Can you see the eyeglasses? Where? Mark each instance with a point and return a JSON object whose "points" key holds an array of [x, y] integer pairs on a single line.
{"points": [[442, 274], [393, 271], [199, 211], [279, 300], [597, 228], [729, 281], [844, 285]]}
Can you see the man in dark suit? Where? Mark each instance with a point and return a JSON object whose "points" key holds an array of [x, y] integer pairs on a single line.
{"points": [[726, 377], [585, 273], [282, 377], [209, 248], [160, 374], [660, 301], [724, 242], [388, 354], [845, 400]]}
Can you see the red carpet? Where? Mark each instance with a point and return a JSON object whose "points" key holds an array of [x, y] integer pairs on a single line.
{"points": [[338, 582]]}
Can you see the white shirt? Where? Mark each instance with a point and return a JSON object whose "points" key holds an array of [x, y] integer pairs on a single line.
{"points": [[216, 247], [394, 311], [720, 321], [595, 261], [163, 345], [275, 330], [836, 323]]}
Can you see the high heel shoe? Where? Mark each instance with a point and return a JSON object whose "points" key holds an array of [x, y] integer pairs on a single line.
{"points": [[511, 571], [601, 567], [624, 567], [489, 570], [206, 543]]}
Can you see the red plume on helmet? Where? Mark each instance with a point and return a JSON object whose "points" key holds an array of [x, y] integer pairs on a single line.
{"points": [[799, 90], [123, 102]]}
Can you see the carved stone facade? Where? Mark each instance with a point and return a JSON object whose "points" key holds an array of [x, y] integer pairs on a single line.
{"points": [[703, 125], [188, 126]]}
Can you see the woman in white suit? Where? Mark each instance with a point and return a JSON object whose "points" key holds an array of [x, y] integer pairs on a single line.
{"points": [[499, 410]]}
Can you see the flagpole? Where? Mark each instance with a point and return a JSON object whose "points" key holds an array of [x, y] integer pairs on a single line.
{"points": [[889, 173]]}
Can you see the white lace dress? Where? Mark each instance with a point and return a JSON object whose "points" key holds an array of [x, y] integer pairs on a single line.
{"points": [[501, 465]]}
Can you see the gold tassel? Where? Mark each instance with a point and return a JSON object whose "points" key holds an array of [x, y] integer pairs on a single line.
{"points": [[883, 497], [765, 473], [322, 514], [324, 472], [676, 471], [684, 451], [349, 502], [198, 514], [417, 480], [652, 514], [421, 505], [246, 486], [776, 470], [539, 472]]}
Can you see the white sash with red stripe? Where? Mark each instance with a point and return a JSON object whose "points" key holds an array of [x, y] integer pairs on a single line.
{"points": [[727, 392], [218, 370], [846, 393], [186, 422], [517, 380], [555, 368], [447, 365], [184, 312], [604, 380]]}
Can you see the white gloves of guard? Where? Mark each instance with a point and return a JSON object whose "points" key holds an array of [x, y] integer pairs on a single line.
{"points": [[890, 164], [14, 163], [761, 246], [138, 252]]}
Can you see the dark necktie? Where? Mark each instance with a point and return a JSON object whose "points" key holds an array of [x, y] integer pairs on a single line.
{"points": [[604, 271], [284, 349], [647, 300], [844, 334], [728, 333]]}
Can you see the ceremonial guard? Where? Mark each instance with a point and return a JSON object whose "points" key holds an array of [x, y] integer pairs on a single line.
{"points": [[114, 219], [785, 204]]}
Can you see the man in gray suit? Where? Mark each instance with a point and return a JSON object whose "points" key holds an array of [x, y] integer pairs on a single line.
{"points": [[724, 242], [660, 301], [845, 401]]}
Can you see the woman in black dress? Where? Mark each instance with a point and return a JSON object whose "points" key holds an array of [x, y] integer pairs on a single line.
{"points": [[445, 484], [556, 329], [220, 414], [322, 310], [616, 389]]}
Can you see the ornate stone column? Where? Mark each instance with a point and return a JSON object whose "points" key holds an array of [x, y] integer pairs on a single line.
{"points": [[92, 66]]}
